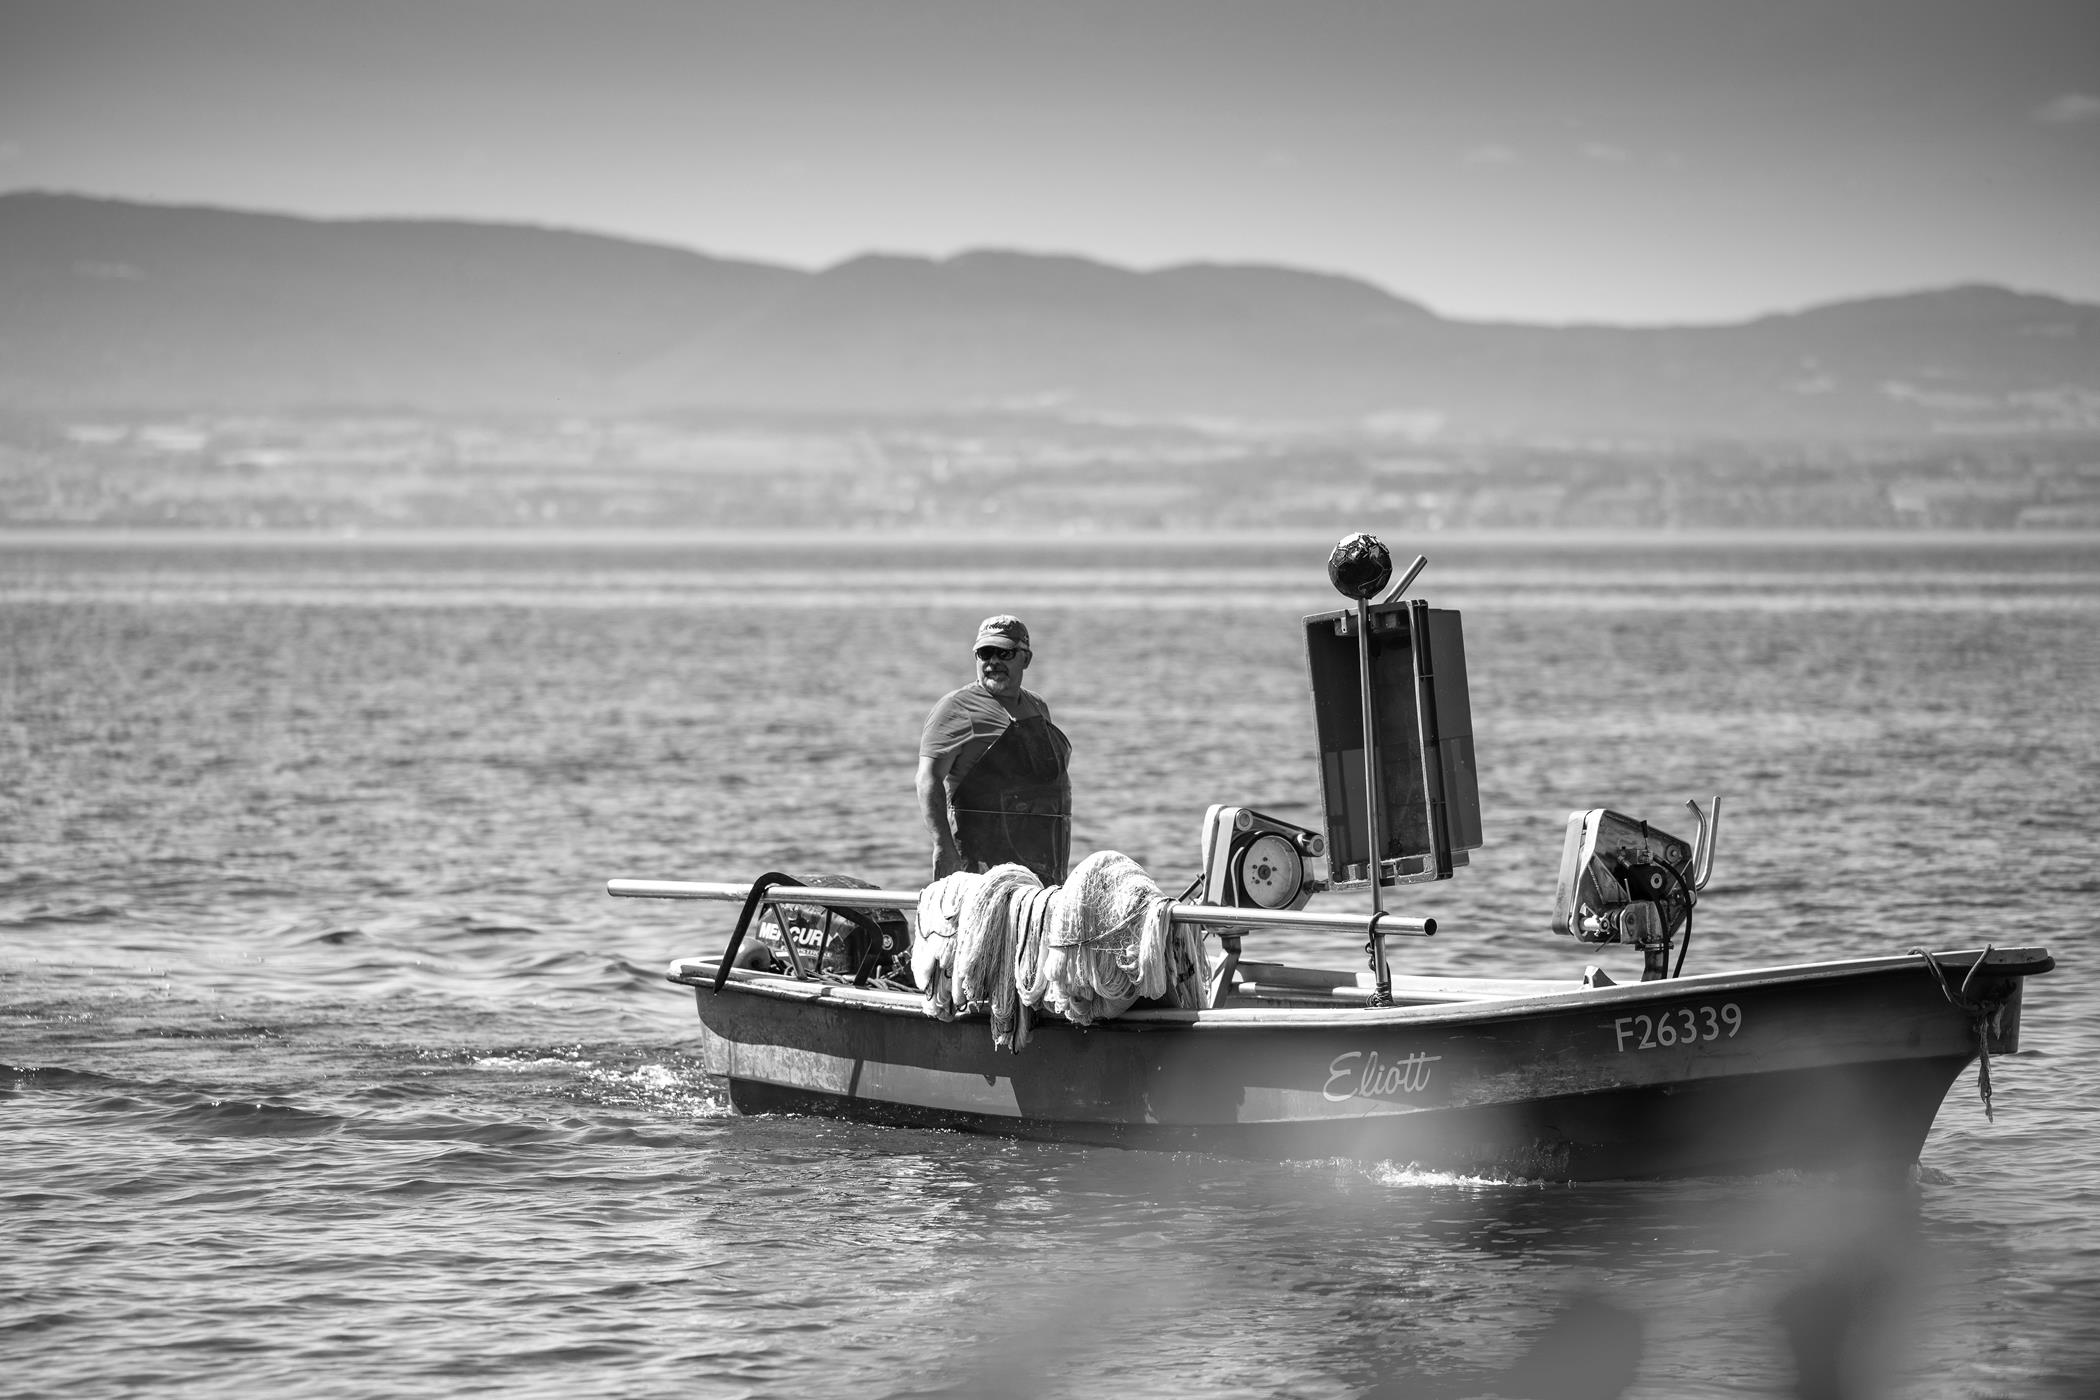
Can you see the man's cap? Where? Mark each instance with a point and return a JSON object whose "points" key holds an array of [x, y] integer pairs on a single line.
{"points": [[1002, 631]]}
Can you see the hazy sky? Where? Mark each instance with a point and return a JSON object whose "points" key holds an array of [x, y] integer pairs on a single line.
{"points": [[1615, 160]]}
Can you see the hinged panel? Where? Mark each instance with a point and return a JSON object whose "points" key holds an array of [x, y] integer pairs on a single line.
{"points": [[1430, 812]]}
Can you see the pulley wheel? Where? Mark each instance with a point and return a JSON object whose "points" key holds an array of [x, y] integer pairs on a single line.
{"points": [[1270, 872]]}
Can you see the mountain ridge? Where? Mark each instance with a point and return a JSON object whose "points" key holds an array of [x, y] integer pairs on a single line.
{"points": [[115, 305]]}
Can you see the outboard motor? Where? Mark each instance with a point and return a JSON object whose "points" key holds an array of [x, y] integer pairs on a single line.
{"points": [[1624, 881]]}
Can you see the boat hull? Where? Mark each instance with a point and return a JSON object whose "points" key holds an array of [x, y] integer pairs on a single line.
{"points": [[1829, 1067]]}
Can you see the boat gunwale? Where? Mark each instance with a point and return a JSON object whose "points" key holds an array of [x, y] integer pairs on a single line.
{"points": [[699, 973]]}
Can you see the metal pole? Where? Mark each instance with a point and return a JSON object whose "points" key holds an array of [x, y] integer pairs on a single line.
{"points": [[1421, 561], [1208, 915], [1382, 994]]}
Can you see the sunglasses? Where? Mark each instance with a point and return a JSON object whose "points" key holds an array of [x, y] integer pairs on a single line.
{"points": [[997, 653]]}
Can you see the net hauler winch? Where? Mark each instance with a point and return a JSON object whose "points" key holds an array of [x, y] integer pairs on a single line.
{"points": [[1255, 861], [1625, 881]]}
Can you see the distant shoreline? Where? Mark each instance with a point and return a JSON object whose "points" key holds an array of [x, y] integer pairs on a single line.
{"points": [[1135, 541]]}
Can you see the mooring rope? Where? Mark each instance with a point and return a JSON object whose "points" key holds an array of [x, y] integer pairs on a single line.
{"points": [[1979, 1018]]}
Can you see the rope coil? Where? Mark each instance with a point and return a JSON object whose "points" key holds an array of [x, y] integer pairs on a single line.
{"points": [[1979, 1014]]}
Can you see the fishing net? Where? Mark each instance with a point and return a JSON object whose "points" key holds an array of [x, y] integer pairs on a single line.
{"points": [[1029, 912], [933, 951], [984, 948], [1086, 950], [1108, 916]]}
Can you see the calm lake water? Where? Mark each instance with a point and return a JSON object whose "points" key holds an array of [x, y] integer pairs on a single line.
{"points": [[327, 1068]]}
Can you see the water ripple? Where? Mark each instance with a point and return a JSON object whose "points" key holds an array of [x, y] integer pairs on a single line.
{"points": [[328, 1068]]}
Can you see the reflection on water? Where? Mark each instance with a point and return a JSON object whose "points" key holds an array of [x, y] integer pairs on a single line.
{"points": [[326, 1056]]}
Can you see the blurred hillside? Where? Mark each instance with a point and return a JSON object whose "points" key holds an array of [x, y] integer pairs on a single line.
{"points": [[117, 308]]}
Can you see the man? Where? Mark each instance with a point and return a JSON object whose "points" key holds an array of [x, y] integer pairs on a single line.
{"points": [[993, 779]]}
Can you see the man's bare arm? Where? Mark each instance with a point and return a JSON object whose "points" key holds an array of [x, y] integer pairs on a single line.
{"points": [[932, 783]]}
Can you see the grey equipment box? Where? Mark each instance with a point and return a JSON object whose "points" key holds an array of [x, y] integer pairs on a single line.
{"points": [[1428, 793]]}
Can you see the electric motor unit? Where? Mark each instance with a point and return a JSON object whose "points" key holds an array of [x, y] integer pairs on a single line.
{"points": [[1611, 861], [1623, 880]]}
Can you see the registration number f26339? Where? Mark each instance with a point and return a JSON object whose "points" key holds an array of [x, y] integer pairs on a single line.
{"points": [[1680, 1025]]}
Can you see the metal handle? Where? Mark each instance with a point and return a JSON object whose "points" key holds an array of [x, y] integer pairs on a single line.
{"points": [[1703, 844], [1421, 561]]}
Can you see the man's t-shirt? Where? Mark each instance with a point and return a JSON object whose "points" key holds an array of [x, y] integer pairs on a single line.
{"points": [[966, 722]]}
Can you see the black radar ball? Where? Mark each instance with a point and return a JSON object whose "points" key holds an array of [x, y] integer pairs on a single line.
{"points": [[1360, 567]]}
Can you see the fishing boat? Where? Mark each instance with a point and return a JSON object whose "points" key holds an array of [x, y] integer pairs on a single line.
{"points": [[1839, 1065]]}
